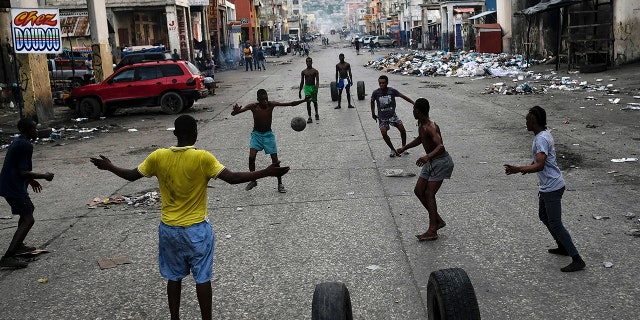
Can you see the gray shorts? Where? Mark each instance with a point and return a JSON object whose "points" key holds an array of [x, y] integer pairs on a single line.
{"points": [[438, 168], [385, 122]]}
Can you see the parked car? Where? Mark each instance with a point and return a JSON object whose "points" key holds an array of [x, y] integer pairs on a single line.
{"points": [[384, 41], [266, 45], [307, 37], [132, 58], [366, 40], [172, 85], [76, 71]]}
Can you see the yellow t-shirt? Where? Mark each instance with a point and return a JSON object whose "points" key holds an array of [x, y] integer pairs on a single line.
{"points": [[183, 174]]}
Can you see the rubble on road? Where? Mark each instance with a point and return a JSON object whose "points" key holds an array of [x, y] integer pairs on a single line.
{"points": [[489, 65], [442, 63], [147, 199]]}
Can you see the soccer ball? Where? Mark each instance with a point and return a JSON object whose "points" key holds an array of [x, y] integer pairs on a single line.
{"points": [[298, 123]]}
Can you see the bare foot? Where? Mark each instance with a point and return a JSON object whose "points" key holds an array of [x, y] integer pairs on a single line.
{"points": [[427, 236]]}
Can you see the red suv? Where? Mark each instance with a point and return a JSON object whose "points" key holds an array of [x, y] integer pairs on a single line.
{"points": [[172, 85]]}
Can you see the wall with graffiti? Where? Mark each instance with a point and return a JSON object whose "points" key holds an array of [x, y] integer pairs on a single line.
{"points": [[627, 32]]}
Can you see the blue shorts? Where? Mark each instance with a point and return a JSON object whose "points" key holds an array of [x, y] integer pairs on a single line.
{"points": [[20, 206], [438, 168], [263, 140], [184, 249], [344, 83], [386, 122]]}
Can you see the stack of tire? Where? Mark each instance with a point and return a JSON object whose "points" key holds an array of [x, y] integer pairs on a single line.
{"points": [[334, 90]]}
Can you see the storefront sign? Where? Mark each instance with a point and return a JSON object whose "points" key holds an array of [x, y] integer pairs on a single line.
{"points": [[36, 30]]}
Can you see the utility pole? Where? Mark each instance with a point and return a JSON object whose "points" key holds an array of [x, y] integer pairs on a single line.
{"points": [[410, 23]]}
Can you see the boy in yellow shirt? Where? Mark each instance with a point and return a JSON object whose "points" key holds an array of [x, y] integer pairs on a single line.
{"points": [[186, 239]]}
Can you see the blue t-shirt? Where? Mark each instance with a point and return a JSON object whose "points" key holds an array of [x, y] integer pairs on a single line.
{"points": [[386, 102], [550, 177], [18, 159]]}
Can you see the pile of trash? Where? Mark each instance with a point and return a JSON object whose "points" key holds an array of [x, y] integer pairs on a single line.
{"points": [[148, 199], [450, 64]]}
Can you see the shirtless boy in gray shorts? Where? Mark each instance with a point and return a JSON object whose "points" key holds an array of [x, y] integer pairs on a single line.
{"points": [[437, 165]]}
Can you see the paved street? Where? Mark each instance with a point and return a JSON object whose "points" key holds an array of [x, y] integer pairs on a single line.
{"points": [[342, 219]]}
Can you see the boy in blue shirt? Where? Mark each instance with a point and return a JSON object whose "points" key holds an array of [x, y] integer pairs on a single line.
{"points": [[15, 177]]}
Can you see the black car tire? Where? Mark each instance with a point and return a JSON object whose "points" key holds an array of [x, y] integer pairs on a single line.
{"points": [[171, 103], [450, 296], [189, 104], [334, 90], [360, 90], [331, 301], [90, 108]]}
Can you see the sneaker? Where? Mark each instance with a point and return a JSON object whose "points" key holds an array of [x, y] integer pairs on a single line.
{"points": [[576, 265], [351, 106], [338, 107], [392, 154], [281, 188], [251, 185], [11, 262], [309, 120], [317, 117]]}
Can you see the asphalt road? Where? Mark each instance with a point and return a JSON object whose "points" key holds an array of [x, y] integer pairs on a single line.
{"points": [[342, 219]]}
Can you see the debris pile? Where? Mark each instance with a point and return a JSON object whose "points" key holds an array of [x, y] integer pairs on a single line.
{"points": [[442, 63], [489, 65], [147, 199]]}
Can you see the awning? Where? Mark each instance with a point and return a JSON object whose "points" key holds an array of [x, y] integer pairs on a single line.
{"points": [[480, 15], [546, 6], [488, 26], [460, 10]]}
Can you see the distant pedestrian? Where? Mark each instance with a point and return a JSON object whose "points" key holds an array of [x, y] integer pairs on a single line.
{"points": [[310, 81], [210, 71], [385, 98], [356, 43], [175, 55], [437, 165], [259, 56], [344, 79], [15, 178], [262, 137], [306, 48], [186, 238], [254, 50], [277, 48], [248, 57], [551, 186]]}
